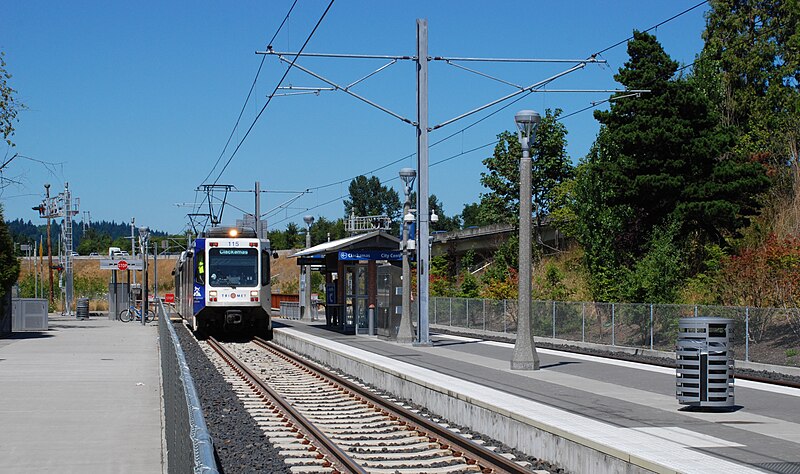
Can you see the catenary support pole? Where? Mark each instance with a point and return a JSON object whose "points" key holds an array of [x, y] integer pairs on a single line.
{"points": [[49, 244], [423, 250]]}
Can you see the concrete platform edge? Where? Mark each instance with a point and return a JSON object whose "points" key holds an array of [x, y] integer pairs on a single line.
{"points": [[568, 450]]}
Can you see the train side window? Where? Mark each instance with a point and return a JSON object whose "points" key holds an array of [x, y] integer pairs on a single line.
{"points": [[200, 274], [265, 268]]}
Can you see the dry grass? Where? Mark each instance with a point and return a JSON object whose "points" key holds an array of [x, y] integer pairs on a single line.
{"points": [[285, 272], [90, 268]]}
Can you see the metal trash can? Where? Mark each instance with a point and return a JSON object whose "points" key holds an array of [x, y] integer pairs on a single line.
{"points": [[82, 308], [704, 352]]}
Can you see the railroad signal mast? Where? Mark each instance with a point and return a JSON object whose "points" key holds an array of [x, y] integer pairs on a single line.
{"points": [[61, 206]]}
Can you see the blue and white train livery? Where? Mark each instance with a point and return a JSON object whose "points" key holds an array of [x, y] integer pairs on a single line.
{"points": [[222, 283]]}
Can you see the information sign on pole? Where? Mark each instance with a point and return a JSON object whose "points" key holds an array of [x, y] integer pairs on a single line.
{"points": [[110, 264]]}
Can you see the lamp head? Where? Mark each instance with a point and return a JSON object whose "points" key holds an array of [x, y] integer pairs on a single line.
{"points": [[308, 219], [527, 121], [144, 232], [434, 216], [408, 175], [408, 218]]}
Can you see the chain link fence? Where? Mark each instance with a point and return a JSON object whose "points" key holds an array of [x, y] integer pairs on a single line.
{"points": [[764, 335]]}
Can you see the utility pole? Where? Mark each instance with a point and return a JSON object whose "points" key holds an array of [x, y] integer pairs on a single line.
{"points": [[422, 60], [66, 230], [423, 250], [49, 242], [258, 210]]}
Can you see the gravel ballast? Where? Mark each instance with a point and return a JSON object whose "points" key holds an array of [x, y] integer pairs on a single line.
{"points": [[239, 442]]}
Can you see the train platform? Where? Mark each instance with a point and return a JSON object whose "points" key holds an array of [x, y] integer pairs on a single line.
{"points": [[585, 413], [84, 396]]}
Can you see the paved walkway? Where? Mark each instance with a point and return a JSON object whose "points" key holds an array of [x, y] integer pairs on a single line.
{"points": [[84, 397]]}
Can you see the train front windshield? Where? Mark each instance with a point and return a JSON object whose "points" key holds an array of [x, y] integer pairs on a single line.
{"points": [[233, 267]]}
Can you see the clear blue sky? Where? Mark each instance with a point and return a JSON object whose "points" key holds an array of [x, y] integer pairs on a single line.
{"points": [[135, 100]]}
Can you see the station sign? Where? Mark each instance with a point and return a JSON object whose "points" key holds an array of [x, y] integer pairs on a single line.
{"points": [[371, 255], [109, 264], [310, 261]]}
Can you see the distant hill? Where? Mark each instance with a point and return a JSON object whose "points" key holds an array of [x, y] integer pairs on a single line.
{"points": [[28, 232]]}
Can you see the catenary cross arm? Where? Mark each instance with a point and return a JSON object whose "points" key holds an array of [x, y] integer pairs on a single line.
{"points": [[347, 91]]}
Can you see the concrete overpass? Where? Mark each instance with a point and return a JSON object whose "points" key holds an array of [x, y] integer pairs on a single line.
{"points": [[484, 241]]}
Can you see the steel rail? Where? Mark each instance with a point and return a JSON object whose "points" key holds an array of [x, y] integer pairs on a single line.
{"points": [[488, 461], [340, 459]]}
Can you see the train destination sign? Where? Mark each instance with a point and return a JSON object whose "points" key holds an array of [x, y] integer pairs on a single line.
{"points": [[109, 264], [371, 255], [234, 251]]}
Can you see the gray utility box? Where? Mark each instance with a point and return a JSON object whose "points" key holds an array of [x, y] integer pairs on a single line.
{"points": [[704, 376], [28, 314]]}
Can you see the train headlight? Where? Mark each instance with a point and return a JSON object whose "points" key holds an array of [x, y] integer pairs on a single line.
{"points": [[254, 296], [212, 295], [233, 232]]}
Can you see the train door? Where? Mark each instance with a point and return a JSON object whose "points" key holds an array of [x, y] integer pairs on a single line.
{"points": [[356, 298]]}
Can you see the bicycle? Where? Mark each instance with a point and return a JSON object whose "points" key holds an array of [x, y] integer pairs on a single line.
{"points": [[126, 315]]}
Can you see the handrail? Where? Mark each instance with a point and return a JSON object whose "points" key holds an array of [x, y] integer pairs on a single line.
{"points": [[202, 445]]}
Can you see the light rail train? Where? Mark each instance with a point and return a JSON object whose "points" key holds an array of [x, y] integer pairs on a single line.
{"points": [[222, 283]]}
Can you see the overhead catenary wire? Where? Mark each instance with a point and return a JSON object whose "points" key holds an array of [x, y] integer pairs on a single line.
{"points": [[269, 99], [249, 94], [458, 132], [449, 158], [652, 27], [280, 82]]}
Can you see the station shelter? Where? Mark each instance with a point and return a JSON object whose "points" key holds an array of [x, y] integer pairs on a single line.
{"points": [[351, 267]]}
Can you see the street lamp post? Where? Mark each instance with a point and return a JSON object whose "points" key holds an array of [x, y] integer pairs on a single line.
{"points": [[306, 284], [144, 234], [405, 334], [525, 356]]}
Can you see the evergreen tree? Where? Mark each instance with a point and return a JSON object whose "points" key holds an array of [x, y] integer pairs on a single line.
{"points": [[322, 228], [9, 265], [368, 197], [656, 160]]}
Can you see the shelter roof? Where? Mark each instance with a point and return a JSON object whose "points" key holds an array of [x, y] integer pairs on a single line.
{"points": [[349, 243]]}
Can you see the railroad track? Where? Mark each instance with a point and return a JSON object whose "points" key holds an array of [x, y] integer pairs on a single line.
{"points": [[326, 423]]}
